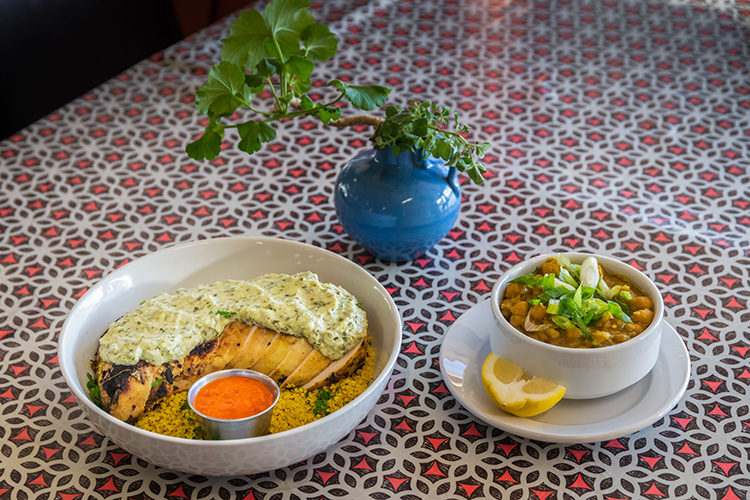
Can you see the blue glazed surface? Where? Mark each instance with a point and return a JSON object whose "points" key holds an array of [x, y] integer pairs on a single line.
{"points": [[397, 207]]}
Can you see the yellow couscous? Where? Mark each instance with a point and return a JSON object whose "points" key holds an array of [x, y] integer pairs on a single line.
{"points": [[173, 417]]}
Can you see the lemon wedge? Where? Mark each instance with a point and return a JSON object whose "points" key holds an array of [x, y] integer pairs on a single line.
{"points": [[514, 391]]}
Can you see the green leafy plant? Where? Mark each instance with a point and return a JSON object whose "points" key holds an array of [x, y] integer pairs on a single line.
{"points": [[276, 51], [423, 125]]}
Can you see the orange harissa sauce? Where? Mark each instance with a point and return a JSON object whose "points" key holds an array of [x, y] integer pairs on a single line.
{"points": [[233, 397]]}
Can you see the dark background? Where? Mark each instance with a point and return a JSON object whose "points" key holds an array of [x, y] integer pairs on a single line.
{"points": [[53, 51]]}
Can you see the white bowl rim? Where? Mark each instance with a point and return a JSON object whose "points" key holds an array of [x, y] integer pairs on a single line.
{"points": [[640, 338], [83, 398]]}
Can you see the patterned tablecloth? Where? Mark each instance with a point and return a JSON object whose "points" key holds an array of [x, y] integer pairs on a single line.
{"points": [[619, 127]]}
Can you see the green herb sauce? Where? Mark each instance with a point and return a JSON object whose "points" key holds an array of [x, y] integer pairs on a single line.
{"points": [[169, 326]]}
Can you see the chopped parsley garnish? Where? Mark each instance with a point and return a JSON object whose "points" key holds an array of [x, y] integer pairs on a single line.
{"points": [[156, 383], [222, 312], [320, 405]]}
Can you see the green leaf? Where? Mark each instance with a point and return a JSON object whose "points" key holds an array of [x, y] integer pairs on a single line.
{"points": [[364, 97], [246, 43], [255, 82], [421, 127], [306, 102], [475, 176], [286, 20], [320, 44], [443, 149], [301, 68], [268, 66], [253, 134], [390, 111], [266, 132], [329, 113], [483, 148], [254, 37], [284, 100], [208, 145], [222, 92]]}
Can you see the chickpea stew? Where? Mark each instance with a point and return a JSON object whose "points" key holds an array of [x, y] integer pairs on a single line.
{"points": [[576, 305]]}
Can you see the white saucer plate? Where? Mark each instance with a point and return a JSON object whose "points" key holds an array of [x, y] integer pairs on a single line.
{"points": [[467, 344]]}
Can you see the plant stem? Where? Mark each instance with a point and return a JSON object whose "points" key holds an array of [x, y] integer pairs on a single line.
{"points": [[275, 97], [354, 120], [267, 113], [282, 72], [314, 108], [454, 134], [373, 121]]}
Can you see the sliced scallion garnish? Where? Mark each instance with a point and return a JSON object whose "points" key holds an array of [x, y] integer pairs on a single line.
{"points": [[576, 296]]}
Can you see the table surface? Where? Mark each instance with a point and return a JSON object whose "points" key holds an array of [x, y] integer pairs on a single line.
{"points": [[618, 127]]}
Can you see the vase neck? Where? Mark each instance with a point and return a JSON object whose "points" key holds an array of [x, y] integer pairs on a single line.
{"points": [[403, 159], [414, 160]]}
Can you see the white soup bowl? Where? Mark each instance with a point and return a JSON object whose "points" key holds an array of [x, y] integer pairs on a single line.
{"points": [[589, 372]]}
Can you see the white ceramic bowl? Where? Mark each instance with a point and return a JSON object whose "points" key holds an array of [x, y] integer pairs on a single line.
{"points": [[208, 261], [586, 373]]}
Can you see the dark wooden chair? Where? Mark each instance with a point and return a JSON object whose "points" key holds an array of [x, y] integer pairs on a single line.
{"points": [[52, 51]]}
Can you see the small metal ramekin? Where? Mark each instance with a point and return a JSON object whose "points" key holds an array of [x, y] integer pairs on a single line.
{"points": [[219, 428]]}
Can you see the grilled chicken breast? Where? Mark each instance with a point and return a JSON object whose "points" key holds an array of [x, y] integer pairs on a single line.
{"points": [[128, 390]]}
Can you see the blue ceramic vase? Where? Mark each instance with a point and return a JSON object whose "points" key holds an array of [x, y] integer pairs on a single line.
{"points": [[397, 207]]}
